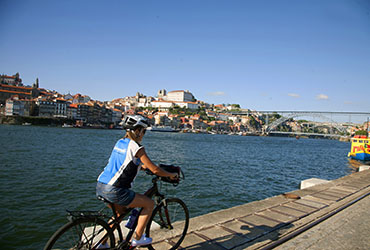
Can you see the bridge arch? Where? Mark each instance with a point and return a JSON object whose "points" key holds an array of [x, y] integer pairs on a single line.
{"points": [[287, 117]]}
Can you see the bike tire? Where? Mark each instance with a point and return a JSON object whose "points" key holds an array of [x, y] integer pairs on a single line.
{"points": [[82, 233], [168, 231]]}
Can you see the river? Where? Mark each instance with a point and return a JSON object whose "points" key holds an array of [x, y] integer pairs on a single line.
{"points": [[45, 170]]}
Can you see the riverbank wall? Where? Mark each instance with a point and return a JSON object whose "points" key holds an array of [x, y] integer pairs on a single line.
{"points": [[33, 120]]}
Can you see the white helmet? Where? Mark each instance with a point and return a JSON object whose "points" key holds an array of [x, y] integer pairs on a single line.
{"points": [[134, 121]]}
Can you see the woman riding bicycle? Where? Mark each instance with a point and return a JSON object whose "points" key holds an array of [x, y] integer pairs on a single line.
{"points": [[115, 181]]}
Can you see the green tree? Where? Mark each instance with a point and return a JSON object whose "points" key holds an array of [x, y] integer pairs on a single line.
{"points": [[361, 132]]}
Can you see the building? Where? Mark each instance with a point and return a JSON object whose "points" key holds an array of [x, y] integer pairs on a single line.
{"points": [[13, 80], [178, 96], [78, 98], [7, 91], [12, 85], [116, 116], [60, 108], [165, 105], [72, 111], [46, 107], [16, 106]]}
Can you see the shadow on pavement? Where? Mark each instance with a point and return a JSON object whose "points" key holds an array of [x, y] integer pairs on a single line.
{"points": [[248, 235]]}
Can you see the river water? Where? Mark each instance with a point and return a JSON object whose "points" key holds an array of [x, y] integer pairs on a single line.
{"points": [[45, 170]]}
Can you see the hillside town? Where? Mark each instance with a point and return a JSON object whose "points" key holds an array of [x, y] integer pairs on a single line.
{"points": [[177, 109]]}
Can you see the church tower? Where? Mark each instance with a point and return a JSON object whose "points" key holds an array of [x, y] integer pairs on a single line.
{"points": [[162, 93]]}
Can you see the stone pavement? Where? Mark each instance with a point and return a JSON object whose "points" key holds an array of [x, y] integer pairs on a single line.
{"points": [[261, 224], [349, 229]]}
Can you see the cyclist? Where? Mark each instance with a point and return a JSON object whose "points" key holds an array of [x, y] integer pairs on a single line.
{"points": [[115, 181]]}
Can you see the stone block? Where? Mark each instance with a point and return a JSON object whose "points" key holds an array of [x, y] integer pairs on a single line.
{"points": [[363, 167], [312, 182]]}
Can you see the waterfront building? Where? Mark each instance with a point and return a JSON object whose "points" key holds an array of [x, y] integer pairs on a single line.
{"points": [[46, 107], [82, 112], [16, 106], [116, 116], [175, 121], [60, 108], [161, 118], [72, 111]]}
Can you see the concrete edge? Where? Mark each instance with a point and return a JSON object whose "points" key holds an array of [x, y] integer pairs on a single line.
{"points": [[224, 215]]}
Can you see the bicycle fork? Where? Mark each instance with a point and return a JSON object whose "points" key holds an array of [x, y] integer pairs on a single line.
{"points": [[165, 223]]}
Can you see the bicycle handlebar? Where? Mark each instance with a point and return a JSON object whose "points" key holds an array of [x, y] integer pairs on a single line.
{"points": [[168, 168]]}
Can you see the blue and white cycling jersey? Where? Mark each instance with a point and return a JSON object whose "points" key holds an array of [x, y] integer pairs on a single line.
{"points": [[123, 166]]}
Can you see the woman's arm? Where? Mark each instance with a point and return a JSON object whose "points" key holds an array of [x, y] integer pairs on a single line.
{"points": [[141, 154]]}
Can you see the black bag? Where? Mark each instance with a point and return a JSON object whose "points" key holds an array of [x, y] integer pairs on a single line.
{"points": [[171, 169]]}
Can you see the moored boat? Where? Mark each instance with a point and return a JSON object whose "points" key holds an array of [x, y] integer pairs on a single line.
{"points": [[65, 125], [162, 129], [360, 148]]}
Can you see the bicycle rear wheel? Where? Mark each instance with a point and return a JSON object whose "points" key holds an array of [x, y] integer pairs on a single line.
{"points": [[168, 224], [83, 233]]}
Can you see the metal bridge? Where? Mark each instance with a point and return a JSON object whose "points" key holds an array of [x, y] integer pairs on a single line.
{"points": [[327, 118]]}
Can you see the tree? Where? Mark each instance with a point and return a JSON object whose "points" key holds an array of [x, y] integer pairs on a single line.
{"points": [[361, 132]]}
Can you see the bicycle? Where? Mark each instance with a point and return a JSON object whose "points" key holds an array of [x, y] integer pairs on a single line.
{"points": [[87, 229]]}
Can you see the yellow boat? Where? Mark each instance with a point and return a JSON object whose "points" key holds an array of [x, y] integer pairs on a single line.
{"points": [[360, 148]]}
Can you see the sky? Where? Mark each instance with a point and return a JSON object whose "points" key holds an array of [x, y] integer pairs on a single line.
{"points": [[263, 55]]}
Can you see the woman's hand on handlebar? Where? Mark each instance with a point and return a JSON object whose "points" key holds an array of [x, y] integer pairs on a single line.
{"points": [[174, 176]]}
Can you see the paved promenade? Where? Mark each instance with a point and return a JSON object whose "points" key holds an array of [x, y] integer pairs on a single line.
{"points": [[334, 215]]}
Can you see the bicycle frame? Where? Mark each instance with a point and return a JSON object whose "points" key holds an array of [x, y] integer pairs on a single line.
{"points": [[115, 223]]}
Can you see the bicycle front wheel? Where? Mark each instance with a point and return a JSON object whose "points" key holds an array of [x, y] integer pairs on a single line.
{"points": [[168, 224], [83, 233]]}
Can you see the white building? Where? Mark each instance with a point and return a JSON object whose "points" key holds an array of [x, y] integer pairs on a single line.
{"points": [[179, 96], [14, 106], [162, 104], [169, 104], [60, 108]]}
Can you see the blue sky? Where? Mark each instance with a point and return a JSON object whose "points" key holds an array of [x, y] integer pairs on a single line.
{"points": [[263, 55]]}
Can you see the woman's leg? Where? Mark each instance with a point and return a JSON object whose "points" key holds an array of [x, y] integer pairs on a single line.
{"points": [[147, 204]]}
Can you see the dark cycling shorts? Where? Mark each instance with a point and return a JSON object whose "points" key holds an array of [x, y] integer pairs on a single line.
{"points": [[121, 196]]}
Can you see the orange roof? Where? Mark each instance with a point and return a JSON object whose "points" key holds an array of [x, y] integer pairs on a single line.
{"points": [[14, 92], [17, 87], [6, 76], [60, 99]]}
